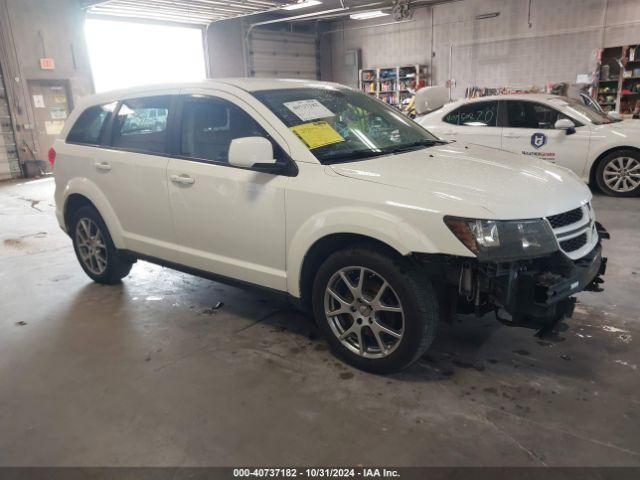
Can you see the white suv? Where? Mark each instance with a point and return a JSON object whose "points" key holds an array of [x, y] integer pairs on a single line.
{"points": [[320, 192], [596, 147]]}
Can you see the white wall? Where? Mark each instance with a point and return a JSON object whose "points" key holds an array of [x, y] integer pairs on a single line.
{"points": [[561, 42]]}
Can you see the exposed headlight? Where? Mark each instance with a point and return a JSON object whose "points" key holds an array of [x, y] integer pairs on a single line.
{"points": [[504, 240]]}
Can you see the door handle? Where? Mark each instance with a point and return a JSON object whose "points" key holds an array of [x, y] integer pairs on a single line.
{"points": [[512, 135], [104, 166], [182, 179]]}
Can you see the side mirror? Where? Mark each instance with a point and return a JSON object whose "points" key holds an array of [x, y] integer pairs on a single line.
{"points": [[614, 116], [248, 152], [566, 125]]}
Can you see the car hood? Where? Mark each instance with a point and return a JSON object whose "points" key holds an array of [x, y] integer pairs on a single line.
{"points": [[506, 185]]}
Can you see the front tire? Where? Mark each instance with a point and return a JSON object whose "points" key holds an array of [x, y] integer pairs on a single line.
{"points": [[94, 248], [378, 312], [618, 174]]}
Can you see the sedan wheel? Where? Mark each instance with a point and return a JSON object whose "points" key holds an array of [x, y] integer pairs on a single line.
{"points": [[622, 174], [364, 312]]}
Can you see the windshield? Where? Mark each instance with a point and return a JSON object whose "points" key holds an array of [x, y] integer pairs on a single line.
{"points": [[575, 108], [339, 125]]}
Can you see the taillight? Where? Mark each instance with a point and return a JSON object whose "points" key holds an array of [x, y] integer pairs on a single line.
{"points": [[52, 157]]}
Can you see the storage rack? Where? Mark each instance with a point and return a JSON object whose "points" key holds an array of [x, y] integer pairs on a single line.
{"points": [[9, 163], [393, 84], [619, 82]]}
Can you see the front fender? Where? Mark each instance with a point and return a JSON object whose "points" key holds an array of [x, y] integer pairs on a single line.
{"points": [[381, 226], [88, 189]]}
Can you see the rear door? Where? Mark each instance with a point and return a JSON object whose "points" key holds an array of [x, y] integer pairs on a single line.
{"points": [[131, 172], [475, 122], [529, 130], [228, 220]]}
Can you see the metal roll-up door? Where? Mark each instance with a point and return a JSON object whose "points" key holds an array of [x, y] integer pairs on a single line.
{"points": [[283, 55]]}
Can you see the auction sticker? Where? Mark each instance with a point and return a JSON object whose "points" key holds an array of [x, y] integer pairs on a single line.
{"points": [[307, 110], [317, 134]]}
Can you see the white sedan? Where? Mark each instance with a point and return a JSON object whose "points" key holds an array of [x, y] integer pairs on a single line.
{"points": [[558, 129]]}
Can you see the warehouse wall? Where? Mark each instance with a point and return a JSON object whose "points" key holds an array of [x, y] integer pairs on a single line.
{"points": [[560, 42], [30, 30]]}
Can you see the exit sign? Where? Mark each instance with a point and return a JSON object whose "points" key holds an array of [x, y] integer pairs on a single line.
{"points": [[47, 64]]}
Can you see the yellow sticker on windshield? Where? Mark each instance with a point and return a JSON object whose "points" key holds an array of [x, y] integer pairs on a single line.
{"points": [[317, 134]]}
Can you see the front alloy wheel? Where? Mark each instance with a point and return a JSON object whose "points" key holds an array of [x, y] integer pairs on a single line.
{"points": [[364, 312], [377, 310]]}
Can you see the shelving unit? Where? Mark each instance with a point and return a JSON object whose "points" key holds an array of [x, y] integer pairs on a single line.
{"points": [[393, 84], [9, 164], [619, 83]]}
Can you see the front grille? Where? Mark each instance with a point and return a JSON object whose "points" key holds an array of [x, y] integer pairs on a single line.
{"points": [[566, 218], [574, 243]]}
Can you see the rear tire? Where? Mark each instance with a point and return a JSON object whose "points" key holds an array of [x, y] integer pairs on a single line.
{"points": [[618, 174], [384, 318], [94, 248]]}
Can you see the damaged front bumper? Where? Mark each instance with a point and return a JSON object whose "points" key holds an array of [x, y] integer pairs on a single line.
{"points": [[533, 293]]}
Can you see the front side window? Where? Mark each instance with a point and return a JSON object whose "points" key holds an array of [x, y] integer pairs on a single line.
{"points": [[475, 114], [337, 124], [141, 124], [532, 115], [90, 124], [210, 124]]}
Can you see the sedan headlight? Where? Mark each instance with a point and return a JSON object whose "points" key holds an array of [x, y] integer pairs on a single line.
{"points": [[504, 240]]}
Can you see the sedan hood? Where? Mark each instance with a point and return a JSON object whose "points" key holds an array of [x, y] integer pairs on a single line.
{"points": [[506, 185]]}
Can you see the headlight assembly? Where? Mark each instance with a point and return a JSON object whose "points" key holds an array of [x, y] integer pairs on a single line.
{"points": [[504, 240]]}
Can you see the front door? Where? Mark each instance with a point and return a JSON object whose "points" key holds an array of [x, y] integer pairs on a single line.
{"points": [[228, 220], [51, 106], [530, 131]]}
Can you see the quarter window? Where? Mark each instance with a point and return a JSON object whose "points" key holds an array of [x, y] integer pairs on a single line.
{"points": [[475, 114], [210, 124], [90, 124], [141, 124]]}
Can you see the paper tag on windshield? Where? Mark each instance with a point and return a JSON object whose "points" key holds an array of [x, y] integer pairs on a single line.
{"points": [[317, 134], [307, 110]]}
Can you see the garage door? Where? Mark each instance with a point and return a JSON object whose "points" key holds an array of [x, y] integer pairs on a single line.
{"points": [[283, 55]]}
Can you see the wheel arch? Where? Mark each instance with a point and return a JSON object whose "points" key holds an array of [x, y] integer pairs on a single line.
{"points": [[601, 156], [82, 192], [323, 248]]}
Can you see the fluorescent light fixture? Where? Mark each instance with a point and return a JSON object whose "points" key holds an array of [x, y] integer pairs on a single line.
{"points": [[367, 15], [303, 4]]}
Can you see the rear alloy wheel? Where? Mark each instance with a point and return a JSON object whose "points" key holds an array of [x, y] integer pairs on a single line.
{"points": [[94, 248], [619, 174], [378, 311]]}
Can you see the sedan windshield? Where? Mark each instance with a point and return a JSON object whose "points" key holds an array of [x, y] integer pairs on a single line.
{"points": [[340, 125], [579, 110]]}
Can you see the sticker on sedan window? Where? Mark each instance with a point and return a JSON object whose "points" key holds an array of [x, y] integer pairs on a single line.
{"points": [[307, 110], [317, 134]]}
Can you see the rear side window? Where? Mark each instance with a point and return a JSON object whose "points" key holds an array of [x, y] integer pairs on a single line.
{"points": [[476, 114], [141, 125], [90, 124]]}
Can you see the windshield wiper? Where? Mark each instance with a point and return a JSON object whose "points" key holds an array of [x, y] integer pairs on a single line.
{"points": [[354, 155], [414, 145]]}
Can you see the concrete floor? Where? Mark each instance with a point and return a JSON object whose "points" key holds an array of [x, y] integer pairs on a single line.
{"points": [[147, 373]]}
